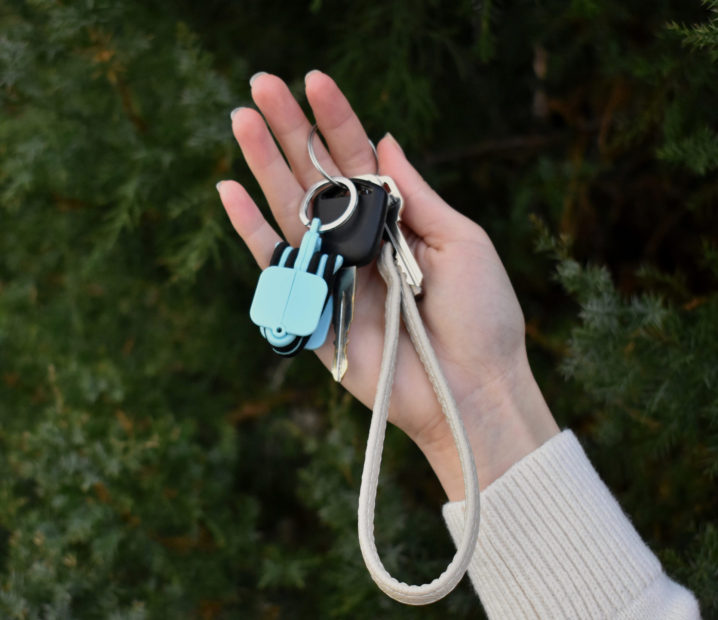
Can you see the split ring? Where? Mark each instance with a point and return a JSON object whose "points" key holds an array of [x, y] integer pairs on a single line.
{"points": [[320, 168], [312, 193]]}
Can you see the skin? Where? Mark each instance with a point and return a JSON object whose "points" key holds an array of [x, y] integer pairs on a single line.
{"points": [[469, 307]]}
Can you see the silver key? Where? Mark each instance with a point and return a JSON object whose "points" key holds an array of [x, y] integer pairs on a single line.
{"points": [[344, 291], [406, 261]]}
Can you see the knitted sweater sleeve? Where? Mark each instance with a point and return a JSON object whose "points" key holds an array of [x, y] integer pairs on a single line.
{"points": [[554, 543]]}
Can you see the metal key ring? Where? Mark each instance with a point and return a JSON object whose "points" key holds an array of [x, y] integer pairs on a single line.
{"points": [[318, 166], [314, 190]]}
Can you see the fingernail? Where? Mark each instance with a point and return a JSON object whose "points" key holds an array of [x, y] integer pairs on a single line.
{"points": [[255, 76], [392, 139], [219, 184], [306, 77], [233, 112]]}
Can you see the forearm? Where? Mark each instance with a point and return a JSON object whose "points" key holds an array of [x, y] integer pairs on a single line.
{"points": [[505, 421]]}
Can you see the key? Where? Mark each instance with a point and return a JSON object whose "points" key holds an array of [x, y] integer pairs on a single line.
{"points": [[292, 302], [359, 238], [405, 259], [344, 291]]}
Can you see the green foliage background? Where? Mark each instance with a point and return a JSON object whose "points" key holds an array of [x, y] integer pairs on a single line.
{"points": [[158, 461]]}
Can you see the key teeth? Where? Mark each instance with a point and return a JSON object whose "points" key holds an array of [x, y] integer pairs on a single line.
{"points": [[340, 364], [339, 369], [344, 291]]}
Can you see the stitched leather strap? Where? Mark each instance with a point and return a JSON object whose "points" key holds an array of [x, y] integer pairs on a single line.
{"points": [[400, 300]]}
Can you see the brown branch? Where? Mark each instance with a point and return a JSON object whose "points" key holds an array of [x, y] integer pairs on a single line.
{"points": [[512, 144], [258, 408], [493, 147], [104, 54], [129, 107]]}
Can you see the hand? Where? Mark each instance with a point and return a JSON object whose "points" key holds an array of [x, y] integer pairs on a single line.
{"points": [[469, 308]]}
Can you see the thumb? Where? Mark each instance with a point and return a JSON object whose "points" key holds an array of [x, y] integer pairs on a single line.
{"points": [[425, 212]]}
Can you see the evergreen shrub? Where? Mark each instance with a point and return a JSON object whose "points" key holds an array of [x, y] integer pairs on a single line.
{"points": [[159, 462]]}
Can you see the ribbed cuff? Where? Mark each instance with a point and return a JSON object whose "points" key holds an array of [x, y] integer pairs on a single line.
{"points": [[554, 543]]}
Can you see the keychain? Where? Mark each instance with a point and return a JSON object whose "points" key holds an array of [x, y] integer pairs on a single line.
{"points": [[305, 289]]}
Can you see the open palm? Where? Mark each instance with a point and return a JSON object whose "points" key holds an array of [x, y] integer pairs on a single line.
{"points": [[469, 308]]}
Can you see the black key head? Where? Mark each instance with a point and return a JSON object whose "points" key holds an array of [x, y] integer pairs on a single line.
{"points": [[359, 238]]}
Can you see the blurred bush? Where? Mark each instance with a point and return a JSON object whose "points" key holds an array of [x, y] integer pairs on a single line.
{"points": [[159, 462]]}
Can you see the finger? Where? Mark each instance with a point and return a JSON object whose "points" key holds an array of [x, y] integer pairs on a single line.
{"points": [[247, 220], [291, 128], [280, 187], [340, 126], [425, 212]]}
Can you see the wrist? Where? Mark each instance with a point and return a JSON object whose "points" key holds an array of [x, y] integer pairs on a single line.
{"points": [[504, 421]]}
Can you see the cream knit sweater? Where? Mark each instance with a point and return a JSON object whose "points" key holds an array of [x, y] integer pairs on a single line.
{"points": [[554, 543]]}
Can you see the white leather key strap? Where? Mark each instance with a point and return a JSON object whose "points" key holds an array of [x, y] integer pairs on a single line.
{"points": [[400, 300]]}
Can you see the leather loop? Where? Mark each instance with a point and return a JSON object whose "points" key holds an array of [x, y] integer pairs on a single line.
{"points": [[400, 300]]}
